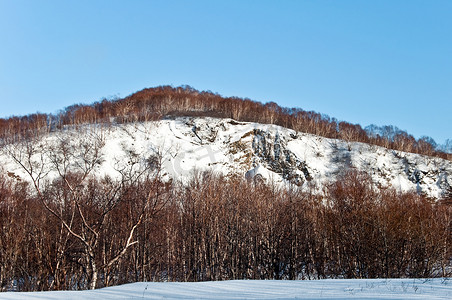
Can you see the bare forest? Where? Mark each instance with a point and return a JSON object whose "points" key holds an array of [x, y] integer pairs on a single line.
{"points": [[80, 233]]}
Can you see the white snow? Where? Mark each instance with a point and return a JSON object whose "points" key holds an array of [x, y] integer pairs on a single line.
{"points": [[226, 147], [271, 289]]}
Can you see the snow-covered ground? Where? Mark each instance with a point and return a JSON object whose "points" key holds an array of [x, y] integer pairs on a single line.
{"points": [[236, 148], [271, 289]]}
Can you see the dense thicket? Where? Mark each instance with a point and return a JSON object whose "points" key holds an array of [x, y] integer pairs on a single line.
{"points": [[165, 101], [214, 229]]}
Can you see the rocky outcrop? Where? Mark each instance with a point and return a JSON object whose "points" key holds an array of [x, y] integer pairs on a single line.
{"points": [[268, 152]]}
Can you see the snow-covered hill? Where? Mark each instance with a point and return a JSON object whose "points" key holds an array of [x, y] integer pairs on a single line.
{"points": [[268, 289], [228, 147]]}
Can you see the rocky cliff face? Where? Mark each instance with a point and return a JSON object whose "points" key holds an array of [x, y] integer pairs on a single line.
{"points": [[231, 148]]}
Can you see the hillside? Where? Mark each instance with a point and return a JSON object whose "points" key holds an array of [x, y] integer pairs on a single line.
{"points": [[164, 186], [244, 149]]}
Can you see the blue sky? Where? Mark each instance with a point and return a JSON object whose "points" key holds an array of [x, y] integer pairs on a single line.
{"points": [[366, 62]]}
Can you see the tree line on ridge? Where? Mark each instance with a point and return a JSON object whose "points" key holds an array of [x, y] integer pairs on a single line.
{"points": [[166, 101]]}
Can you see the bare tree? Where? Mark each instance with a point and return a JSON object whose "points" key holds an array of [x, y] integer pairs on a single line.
{"points": [[81, 211]]}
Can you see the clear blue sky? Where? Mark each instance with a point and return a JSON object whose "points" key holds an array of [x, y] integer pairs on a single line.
{"points": [[382, 62]]}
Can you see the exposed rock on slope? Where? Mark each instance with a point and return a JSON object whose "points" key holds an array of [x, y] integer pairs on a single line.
{"points": [[229, 147]]}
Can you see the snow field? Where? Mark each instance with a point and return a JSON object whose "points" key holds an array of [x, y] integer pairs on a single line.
{"points": [[378, 289]]}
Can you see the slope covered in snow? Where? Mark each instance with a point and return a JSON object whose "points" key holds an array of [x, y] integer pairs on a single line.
{"points": [[231, 148], [318, 289]]}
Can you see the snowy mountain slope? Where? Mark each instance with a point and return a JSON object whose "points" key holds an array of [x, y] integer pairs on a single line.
{"points": [[255, 289], [227, 147]]}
